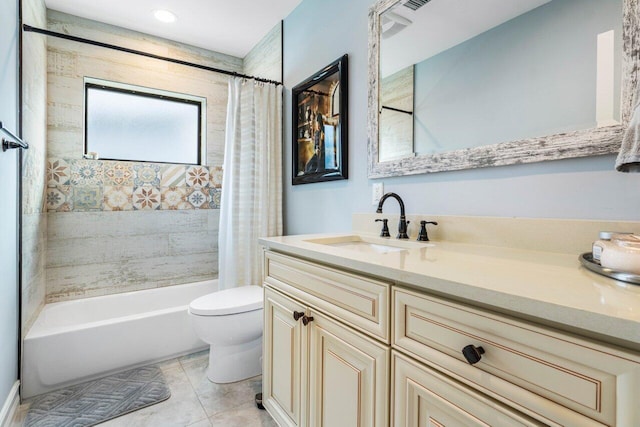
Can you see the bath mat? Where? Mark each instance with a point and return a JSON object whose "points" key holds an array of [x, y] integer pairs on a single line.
{"points": [[97, 401]]}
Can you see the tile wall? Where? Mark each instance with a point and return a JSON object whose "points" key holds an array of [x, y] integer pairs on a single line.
{"points": [[83, 185], [119, 226], [34, 129]]}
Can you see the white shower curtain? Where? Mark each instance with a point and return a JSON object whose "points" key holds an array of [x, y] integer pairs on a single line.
{"points": [[251, 204]]}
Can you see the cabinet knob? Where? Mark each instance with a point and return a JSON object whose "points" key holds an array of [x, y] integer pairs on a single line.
{"points": [[297, 315], [307, 319], [472, 354]]}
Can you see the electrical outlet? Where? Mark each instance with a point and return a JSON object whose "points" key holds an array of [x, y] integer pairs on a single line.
{"points": [[378, 191]]}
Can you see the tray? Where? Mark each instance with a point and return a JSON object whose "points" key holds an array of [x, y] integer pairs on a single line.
{"points": [[587, 260]]}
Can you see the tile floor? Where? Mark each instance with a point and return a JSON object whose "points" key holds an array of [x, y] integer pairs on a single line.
{"points": [[194, 401]]}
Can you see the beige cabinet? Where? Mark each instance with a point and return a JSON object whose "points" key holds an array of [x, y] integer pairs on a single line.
{"points": [[284, 364], [346, 349], [319, 372], [347, 376], [554, 377], [423, 397]]}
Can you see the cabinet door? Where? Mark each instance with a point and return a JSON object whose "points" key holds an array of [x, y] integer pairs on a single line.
{"points": [[348, 377], [284, 360], [423, 397]]}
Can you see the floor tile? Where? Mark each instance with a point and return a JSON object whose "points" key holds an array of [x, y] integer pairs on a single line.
{"points": [[181, 409], [194, 401], [217, 398], [203, 423], [248, 415]]}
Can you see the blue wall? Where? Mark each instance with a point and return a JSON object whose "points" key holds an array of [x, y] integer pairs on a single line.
{"points": [[318, 32], [532, 76], [8, 201]]}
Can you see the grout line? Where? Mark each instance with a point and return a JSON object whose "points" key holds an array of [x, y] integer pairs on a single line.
{"points": [[193, 386]]}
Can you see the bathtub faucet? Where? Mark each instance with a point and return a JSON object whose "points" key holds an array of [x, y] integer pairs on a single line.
{"points": [[402, 226]]}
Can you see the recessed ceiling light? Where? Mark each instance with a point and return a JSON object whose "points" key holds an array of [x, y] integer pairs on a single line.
{"points": [[164, 15]]}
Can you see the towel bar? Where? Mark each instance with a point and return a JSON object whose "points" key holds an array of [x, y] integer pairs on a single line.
{"points": [[17, 143]]}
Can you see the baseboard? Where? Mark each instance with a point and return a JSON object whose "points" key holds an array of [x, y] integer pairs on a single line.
{"points": [[10, 406]]}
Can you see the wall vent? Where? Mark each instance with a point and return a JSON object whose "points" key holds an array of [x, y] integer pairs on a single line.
{"points": [[415, 4]]}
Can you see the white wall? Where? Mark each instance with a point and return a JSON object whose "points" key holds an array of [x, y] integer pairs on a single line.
{"points": [[318, 32]]}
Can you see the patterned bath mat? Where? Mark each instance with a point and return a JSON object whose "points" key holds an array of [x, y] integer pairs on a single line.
{"points": [[97, 401]]}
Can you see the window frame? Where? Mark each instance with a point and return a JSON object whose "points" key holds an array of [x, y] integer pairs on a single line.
{"points": [[107, 85]]}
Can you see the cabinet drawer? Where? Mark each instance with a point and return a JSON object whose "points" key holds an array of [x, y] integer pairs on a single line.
{"points": [[424, 397], [360, 302], [525, 365]]}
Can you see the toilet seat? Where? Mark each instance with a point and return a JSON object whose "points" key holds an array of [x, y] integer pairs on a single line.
{"points": [[228, 301]]}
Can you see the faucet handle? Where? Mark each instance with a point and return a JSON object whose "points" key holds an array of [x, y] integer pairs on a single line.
{"points": [[385, 228], [422, 235]]}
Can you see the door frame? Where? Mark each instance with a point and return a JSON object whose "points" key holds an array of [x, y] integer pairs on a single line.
{"points": [[19, 190]]}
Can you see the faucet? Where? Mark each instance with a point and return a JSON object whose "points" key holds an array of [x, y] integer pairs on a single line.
{"points": [[402, 226]]}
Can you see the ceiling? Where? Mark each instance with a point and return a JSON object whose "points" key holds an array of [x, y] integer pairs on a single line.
{"points": [[230, 26]]}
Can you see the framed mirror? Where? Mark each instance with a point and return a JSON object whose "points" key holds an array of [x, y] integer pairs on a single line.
{"points": [[461, 84]]}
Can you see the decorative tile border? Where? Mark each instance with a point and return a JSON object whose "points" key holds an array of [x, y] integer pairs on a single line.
{"points": [[81, 185]]}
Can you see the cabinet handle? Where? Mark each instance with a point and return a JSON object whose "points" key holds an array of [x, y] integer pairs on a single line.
{"points": [[307, 319], [297, 315], [472, 354]]}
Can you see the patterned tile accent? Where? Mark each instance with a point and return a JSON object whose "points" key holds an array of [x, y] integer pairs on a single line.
{"points": [[87, 198], [59, 198], [94, 185], [118, 173], [146, 174], [146, 197], [197, 176], [215, 173], [174, 176], [87, 172], [58, 172], [118, 198], [198, 198], [214, 198], [174, 198]]}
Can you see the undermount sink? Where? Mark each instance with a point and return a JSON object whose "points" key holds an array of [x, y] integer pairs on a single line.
{"points": [[368, 245]]}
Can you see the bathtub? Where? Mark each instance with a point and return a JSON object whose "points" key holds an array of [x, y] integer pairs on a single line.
{"points": [[75, 341]]}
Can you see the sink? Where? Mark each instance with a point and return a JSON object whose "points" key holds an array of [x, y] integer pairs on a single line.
{"points": [[368, 245]]}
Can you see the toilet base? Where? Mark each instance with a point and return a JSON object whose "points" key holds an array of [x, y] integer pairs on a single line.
{"points": [[228, 364]]}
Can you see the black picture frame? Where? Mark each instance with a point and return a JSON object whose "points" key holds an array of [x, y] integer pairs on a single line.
{"points": [[319, 125]]}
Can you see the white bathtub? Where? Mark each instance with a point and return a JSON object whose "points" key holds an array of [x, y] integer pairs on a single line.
{"points": [[75, 341]]}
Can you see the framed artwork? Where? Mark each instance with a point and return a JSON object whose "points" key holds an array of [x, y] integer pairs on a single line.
{"points": [[320, 125]]}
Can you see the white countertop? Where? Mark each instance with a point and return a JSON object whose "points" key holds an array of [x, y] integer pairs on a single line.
{"points": [[552, 288]]}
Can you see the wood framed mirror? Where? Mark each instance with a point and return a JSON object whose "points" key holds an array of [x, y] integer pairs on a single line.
{"points": [[497, 82]]}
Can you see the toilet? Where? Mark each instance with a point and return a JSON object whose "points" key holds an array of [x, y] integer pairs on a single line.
{"points": [[230, 321]]}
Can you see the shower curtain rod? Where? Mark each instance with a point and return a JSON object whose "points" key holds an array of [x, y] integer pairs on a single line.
{"points": [[29, 28]]}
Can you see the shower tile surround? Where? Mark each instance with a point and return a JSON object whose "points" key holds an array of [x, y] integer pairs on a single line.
{"points": [[81, 185], [34, 118], [119, 226]]}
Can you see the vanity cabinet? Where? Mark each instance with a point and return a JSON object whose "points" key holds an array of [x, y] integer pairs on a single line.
{"points": [[551, 376], [319, 371], [380, 353], [425, 397]]}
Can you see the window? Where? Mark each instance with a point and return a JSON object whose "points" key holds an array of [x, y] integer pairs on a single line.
{"points": [[126, 122]]}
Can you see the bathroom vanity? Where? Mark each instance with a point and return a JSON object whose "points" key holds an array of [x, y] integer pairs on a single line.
{"points": [[364, 331]]}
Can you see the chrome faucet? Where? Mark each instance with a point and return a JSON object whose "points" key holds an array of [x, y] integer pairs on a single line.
{"points": [[402, 226]]}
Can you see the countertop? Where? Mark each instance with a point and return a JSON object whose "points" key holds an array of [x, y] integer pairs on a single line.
{"points": [[546, 287]]}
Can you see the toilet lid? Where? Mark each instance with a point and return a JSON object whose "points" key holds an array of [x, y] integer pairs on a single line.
{"points": [[229, 301]]}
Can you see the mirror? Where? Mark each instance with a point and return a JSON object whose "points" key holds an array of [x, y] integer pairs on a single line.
{"points": [[460, 84]]}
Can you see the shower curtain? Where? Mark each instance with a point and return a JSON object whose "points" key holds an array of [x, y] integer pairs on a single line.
{"points": [[251, 204]]}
